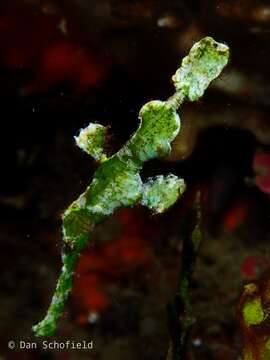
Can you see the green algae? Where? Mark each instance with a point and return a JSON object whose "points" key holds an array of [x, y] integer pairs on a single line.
{"points": [[253, 312]]}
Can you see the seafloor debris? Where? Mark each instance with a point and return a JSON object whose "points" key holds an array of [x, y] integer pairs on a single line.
{"points": [[253, 315]]}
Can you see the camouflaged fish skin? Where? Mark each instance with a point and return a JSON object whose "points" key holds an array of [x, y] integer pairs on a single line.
{"points": [[117, 182]]}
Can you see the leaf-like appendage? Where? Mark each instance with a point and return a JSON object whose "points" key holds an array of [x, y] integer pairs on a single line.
{"points": [[161, 192], [160, 124], [203, 64], [91, 140]]}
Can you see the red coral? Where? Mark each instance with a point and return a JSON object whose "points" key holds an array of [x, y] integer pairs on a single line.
{"points": [[252, 266], [261, 166], [108, 263], [236, 215], [62, 61], [32, 39]]}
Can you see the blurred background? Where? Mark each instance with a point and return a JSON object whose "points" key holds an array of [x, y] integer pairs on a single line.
{"points": [[65, 63]]}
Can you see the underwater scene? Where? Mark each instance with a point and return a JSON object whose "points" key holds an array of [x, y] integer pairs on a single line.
{"points": [[135, 182]]}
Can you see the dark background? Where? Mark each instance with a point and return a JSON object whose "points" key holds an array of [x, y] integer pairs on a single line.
{"points": [[66, 63]]}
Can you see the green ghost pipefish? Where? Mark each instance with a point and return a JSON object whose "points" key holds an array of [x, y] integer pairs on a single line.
{"points": [[117, 182]]}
